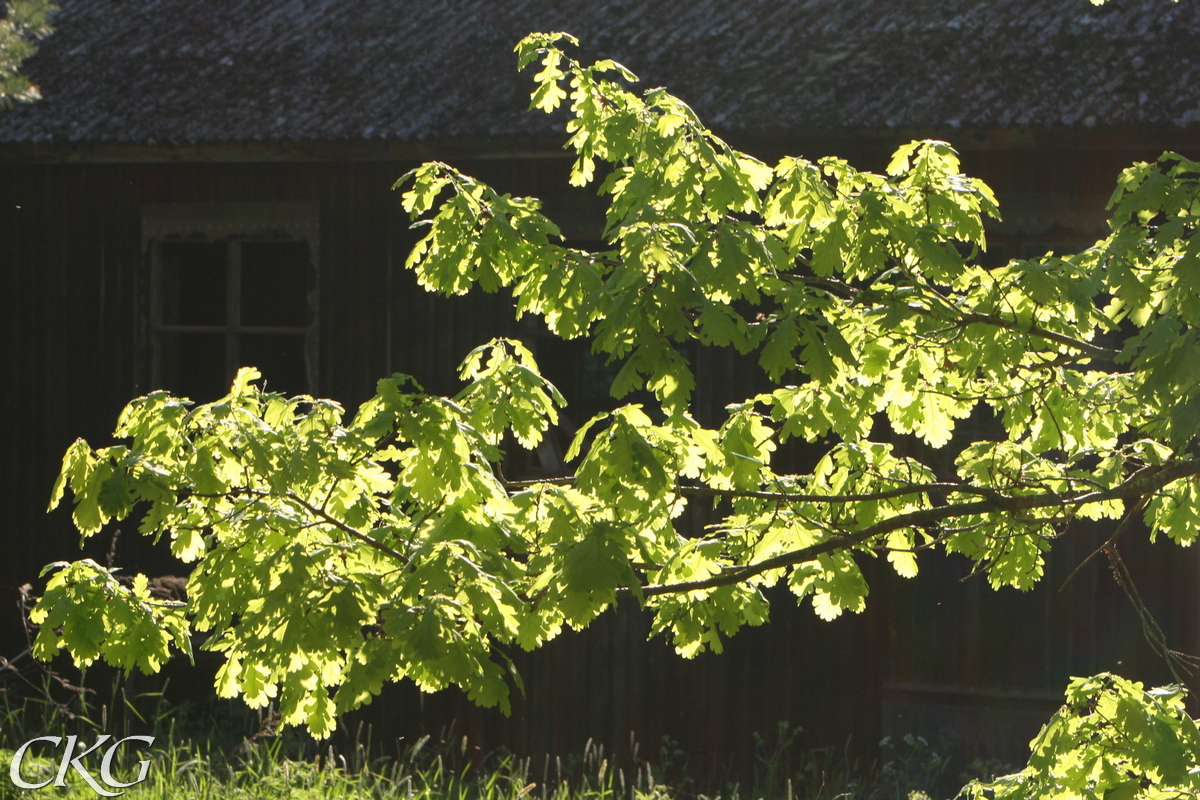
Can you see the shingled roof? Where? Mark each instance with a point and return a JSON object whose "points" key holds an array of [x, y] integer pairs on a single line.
{"points": [[185, 72]]}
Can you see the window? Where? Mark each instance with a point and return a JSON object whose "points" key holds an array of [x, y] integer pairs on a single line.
{"points": [[230, 285]]}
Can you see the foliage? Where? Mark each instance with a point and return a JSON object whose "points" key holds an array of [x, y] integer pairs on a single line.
{"points": [[1111, 740], [24, 22], [861, 298]]}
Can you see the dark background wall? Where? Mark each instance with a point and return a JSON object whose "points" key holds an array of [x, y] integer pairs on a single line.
{"points": [[927, 653]]}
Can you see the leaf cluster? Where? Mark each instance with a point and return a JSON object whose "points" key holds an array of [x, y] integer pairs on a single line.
{"points": [[1112, 740], [23, 23], [860, 296]]}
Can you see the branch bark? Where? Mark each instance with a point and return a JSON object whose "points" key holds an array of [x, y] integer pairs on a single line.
{"points": [[352, 532], [1144, 481], [969, 317]]}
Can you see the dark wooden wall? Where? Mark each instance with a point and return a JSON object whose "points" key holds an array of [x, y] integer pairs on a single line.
{"points": [[935, 651]]}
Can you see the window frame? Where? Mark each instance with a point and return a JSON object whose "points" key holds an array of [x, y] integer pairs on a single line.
{"points": [[234, 224]]}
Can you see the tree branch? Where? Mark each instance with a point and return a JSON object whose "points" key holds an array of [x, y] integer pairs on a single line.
{"points": [[794, 497], [350, 531], [1087, 348], [799, 497], [1144, 481], [967, 318]]}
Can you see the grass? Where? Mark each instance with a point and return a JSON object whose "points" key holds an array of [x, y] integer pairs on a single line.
{"points": [[219, 754]]}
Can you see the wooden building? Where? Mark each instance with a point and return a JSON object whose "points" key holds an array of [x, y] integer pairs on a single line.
{"points": [[258, 140]]}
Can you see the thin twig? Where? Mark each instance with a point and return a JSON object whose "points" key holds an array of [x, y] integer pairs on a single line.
{"points": [[1122, 526], [1150, 628]]}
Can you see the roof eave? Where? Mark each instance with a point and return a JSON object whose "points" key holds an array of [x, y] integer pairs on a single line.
{"points": [[817, 141], [345, 150]]}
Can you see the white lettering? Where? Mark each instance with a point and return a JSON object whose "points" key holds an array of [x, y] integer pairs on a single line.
{"points": [[106, 765], [69, 761], [14, 770]]}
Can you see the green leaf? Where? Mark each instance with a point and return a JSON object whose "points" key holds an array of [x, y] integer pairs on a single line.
{"points": [[422, 545]]}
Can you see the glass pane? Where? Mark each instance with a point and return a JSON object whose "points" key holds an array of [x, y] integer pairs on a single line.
{"points": [[275, 283], [280, 359], [193, 365], [192, 290]]}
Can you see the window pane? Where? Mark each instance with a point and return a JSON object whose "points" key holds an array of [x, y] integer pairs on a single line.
{"points": [[280, 358], [193, 365], [193, 283], [275, 283]]}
